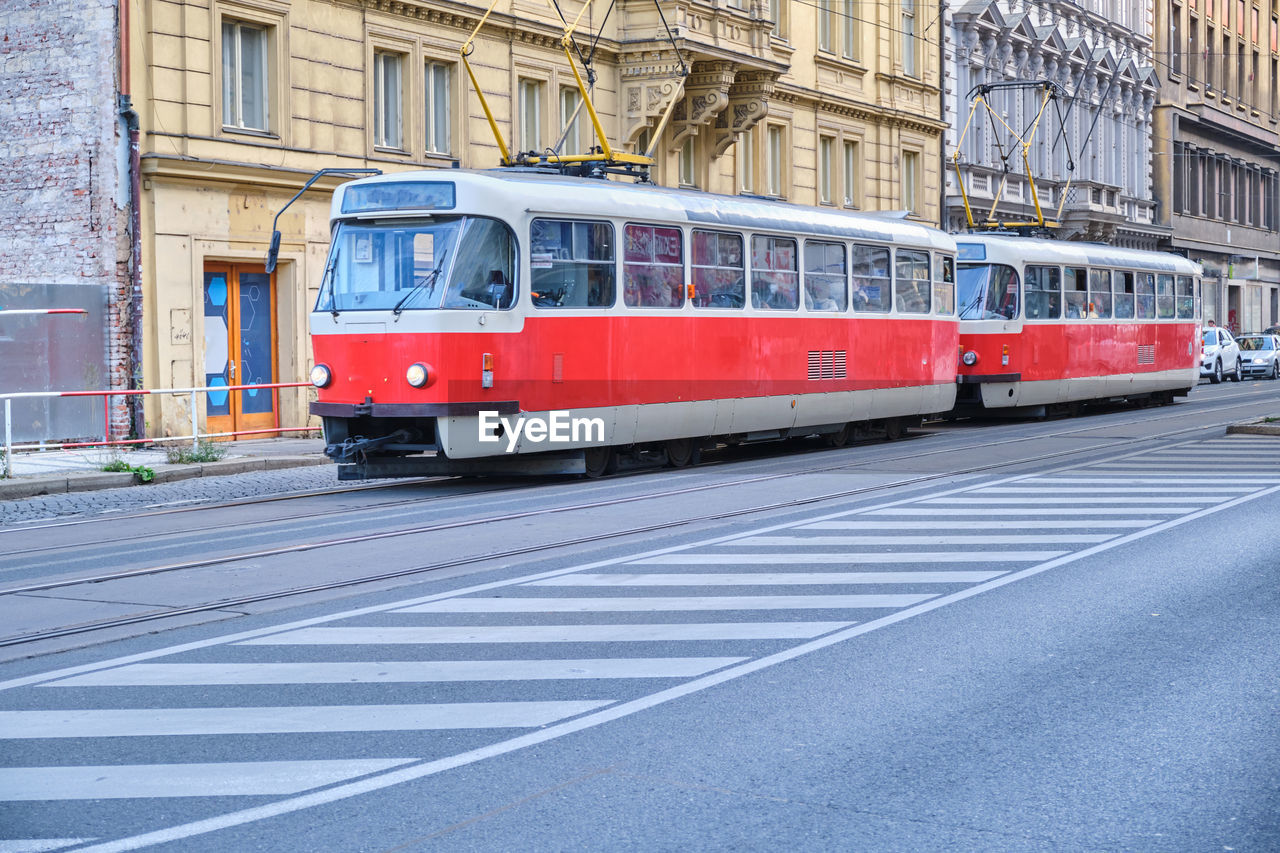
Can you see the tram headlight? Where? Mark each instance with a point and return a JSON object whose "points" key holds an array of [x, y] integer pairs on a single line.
{"points": [[419, 375], [970, 358], [321, 375]]}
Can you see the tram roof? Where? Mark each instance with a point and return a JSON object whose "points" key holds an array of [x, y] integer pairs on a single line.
{"points": [[559, 195], [1034, 250]]}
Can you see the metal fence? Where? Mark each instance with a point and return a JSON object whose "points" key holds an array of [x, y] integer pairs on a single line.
{"points": [[192, 393]]}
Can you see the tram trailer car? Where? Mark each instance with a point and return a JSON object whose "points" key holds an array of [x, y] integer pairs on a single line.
{"points": [[1047, 325], [518, 321]]}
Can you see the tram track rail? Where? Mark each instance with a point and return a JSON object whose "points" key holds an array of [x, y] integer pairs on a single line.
{"points": [[231, 603], [478, 490]]}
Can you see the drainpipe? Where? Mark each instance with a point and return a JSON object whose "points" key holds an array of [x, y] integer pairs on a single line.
{"points": [[137, 413], [942, 112]]}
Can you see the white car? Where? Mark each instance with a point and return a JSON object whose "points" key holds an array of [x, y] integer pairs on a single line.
{"points": [[1219, 354], [1261, 355]]}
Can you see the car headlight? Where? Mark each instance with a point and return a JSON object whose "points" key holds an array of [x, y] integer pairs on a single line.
{"points": [[321, 376], [970, 358], [419, 375]]}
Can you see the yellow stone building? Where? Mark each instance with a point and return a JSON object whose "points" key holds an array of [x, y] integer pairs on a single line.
{"points": [[820, 102]]}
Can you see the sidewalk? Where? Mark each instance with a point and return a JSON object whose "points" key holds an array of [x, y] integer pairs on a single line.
{"points": [[54, 472]]}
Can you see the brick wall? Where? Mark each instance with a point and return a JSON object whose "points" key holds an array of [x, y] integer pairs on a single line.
{"points": [[63, 187]]}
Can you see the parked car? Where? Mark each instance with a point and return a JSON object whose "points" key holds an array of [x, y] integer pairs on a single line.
{"points": [[1219, 354], [1260, 355]]}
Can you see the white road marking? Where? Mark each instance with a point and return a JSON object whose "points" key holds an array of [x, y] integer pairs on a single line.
{"points": [[955, 539], [767, 579], [988, 524], [132, 781], [1014, 512], [382, 672], [1110, 490], [978, 499], [153, 722], [624, 709], [550, 633], [781, 558], [665, 604], [1193, 482], [39, 845]]}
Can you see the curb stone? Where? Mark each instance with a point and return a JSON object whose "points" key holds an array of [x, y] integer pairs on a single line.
{"points": [[1254, 428], [57, 484]]}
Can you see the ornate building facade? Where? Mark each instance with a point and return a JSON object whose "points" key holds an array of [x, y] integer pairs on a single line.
{"points": [[1098, 53], [831, 102], [1217, 172]]}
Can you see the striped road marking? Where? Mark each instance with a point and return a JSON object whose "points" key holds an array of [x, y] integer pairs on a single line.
{"points": [[550, 634], [978, 539], [767, 579], [684, 559], [384, 672], [130, 781], [152, 722], [664, 604]]}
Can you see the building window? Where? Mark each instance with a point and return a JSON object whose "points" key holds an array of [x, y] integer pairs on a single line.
{"points": [[1193, 50], [778, 14], [826, 25], [388, 91], [774, 139], [439, 77], [852, 174], [571, 122], [1175, 39], [244, 76], [746, 162], [909, 38], [826, 180], [531, 115], [911, 180], [688, 171], [849, 27]]}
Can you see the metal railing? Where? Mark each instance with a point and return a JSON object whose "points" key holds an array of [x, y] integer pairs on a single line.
{"points": [[107, 441]]}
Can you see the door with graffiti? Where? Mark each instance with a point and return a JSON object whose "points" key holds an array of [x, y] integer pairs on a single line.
{"points": [[239, 346]]}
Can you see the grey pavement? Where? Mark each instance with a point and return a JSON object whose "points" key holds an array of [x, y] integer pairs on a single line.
{"points": [[72, 482]]}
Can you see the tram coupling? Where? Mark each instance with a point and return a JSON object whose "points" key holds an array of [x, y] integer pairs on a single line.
{"points": [[353, 450]]}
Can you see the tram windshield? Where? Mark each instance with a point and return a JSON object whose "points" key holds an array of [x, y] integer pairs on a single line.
{"points": [[987, 291], [445, 262]]}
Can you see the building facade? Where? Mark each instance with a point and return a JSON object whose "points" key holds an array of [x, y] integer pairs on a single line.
{"points": [[1217, 170], [1090, 156], [64, 205], [834, 103]]}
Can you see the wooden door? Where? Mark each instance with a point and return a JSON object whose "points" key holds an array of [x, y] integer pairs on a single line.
{"points": [[239, 346]]}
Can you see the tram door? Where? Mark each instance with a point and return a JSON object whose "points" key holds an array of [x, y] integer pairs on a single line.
{"points": [[239, 346]]}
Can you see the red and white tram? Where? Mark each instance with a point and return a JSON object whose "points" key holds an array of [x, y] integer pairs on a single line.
{"points": [[473, 321], [1046, 325]]}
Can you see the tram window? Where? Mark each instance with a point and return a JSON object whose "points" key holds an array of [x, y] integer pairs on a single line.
{"points": [[1186, 298], [1076, 293], [653, 267], [719, 279], [775, 279], [987, 291], [1122, 284], [1146, 296], [1099, 295], [573, 264], [483, 276], [911, 282], [825, 275], [1164, 297], [871, 281], [1044, 293], [944, 285]]}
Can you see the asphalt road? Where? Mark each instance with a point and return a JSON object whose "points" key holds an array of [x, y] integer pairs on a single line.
{"points": [[1071, 654]]}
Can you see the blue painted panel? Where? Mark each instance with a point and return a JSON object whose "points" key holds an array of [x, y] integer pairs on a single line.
{"points": [[255, 341]]}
